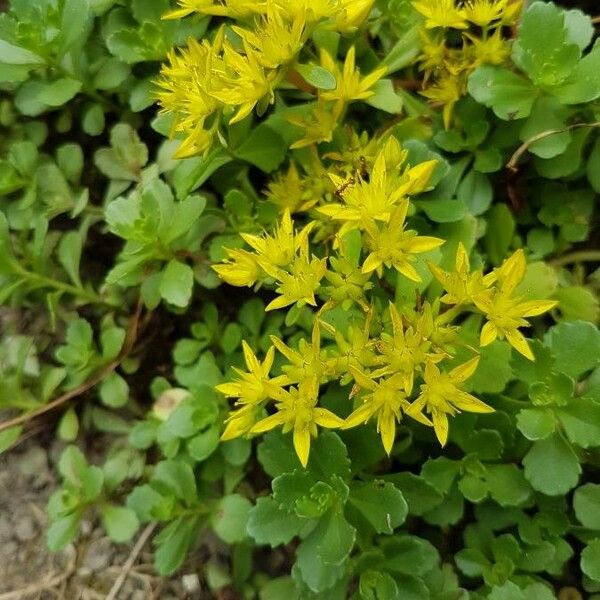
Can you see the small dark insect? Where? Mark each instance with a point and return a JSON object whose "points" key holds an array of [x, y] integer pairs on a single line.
{"points": [[364, 173], [344, 186]]}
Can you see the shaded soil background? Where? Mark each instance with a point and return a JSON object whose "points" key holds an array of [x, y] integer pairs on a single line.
{"points": [[85, 570]]}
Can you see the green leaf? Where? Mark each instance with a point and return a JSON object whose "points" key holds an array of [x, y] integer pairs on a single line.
{"points": [[177, 283], [317, 76], [111, 74], [178, 477], [410, 555], [385, 97], [380, 503], [120, 522], [581, 421], [191, 173], [403, 52], [74, 21], [15, 55], [68, 427], [114, 391], [536, 423], [586, 502], [264, 148], [375, 585], [276, 454], [593, 167], [507, 485], [543, 26], [322, 553], [269, 523], [498, 238], [547, 114], [230, 518], [63, 531], [590, 560], [202, 445], [551, 466], [9, 436], [507, 94], [583, 82], [173, 543], [507, 591], [59, 92], [576, 346]]}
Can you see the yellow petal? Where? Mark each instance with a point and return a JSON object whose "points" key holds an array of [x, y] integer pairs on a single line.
{"points": [[371, 263], [464, 371], [469, 403], [387, 429], [488, 334], [269, 423], [280, 302], [302, 443], [517, 340], [325, 418], [360, 416], [534, 308], [440, 425], [423, 243]]}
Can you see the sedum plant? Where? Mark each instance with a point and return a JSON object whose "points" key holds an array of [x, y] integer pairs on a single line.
{"points": [[322, 279]]}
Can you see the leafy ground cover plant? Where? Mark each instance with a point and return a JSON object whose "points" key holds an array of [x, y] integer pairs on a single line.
{"points": [[333, 305]]}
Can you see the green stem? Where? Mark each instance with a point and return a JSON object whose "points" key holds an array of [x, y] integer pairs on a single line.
{"points": [[91, 297], [574, 257]]}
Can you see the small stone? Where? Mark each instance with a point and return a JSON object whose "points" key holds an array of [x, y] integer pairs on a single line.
{"points": [[25, 529], [139, 595], [190, 582], [33, 463], [98, 554]]}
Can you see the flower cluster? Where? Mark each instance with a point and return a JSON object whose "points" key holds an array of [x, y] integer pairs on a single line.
{"points": [[400, 356], [242, 66], [446, 66]]}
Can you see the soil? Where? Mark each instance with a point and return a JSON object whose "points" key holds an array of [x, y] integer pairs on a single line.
{"points": [[85, 570]]}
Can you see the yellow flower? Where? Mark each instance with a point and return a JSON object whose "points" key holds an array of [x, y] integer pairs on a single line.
{"points": [[250, 386], [441, 396], [312, 10], [493, 50], [241, 268], [297, 412], [506, 313], [298, 286], [440, 13], [279, 249], [184, 93], [352, 14], [386, 400], [241, 9], [461, 285], [393, 246], [403, 351], [241, 80], [375, 198], [483, 12], [318, 126], [433, 53], [349, 86], [275, 39], [289, 192], [348, 283], [240, 421], [447, 91], [308, 361]]}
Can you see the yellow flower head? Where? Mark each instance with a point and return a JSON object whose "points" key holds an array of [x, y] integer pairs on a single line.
{"points": [[297, 412], [461, 285], [279, 249], [299, 283], [493, 50], [506, 313], [237, 9], [352, 13], [393, 246], [386, 400], [250, 386], [441, 396], [484, 12], [440, 13], [312, 10], [350, 86], [240, 269], [447, 91], [318, 126], [374, 199], [275, 39]]}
